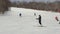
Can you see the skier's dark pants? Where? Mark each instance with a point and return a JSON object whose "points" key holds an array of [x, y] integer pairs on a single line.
{"points": [[40, 22]]}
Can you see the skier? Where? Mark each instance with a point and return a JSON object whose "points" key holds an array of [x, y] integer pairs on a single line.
{"points": [[20, 14], [57, 19], [34, 14], [39, 18]]}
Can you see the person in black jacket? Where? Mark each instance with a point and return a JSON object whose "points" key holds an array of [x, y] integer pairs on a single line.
{"points": [[20, 14], [40, 20], [34, 14]]}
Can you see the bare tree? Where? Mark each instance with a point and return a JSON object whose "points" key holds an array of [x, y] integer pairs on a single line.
{"points": [[4, 4]]}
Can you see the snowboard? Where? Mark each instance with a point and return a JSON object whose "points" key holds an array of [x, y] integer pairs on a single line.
{"points": [[40, 26]]}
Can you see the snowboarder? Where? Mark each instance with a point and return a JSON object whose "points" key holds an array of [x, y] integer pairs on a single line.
{"points": [[39, 18], [20, 14], [57, 19]]}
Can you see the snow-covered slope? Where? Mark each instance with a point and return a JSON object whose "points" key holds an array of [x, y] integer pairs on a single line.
{"points": [[12, 23]]}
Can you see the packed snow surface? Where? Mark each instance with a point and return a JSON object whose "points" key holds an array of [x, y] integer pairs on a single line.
{"points": [[12, 23]]}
